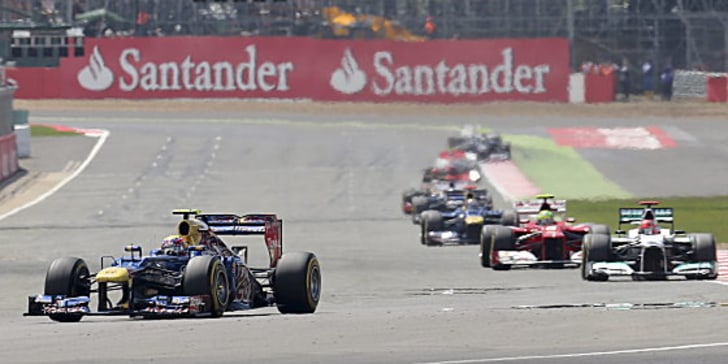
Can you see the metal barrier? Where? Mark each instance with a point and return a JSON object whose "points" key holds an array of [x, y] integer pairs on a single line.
{"points": [[692, 83]]}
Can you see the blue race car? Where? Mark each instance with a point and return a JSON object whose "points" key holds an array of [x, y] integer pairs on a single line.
{"points": [[193, 274], [460, 219]]}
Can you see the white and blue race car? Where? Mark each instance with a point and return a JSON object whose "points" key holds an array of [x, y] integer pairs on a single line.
{"points": [[653, 250]]}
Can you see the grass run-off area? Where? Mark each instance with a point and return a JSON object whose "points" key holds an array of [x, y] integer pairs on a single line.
{"points": [[44, 130], [692, 214]]}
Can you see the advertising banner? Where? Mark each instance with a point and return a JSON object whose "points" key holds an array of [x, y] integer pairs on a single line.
{"points": [[285, 67]]}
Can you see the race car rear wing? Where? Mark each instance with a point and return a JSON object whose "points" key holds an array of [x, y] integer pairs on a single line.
{"points": [[268, 225], [635, 214], [532, 207]]}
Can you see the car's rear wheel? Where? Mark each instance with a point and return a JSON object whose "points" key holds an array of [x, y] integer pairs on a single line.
{"points": [[453, 142], [599, 229], [419, 204], [297, 283], [509, 218], [472, 233], [67, 276], [206, 275]]}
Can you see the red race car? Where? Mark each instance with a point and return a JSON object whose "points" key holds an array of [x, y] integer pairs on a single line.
{"points": [[544, 237], [456, 165]]}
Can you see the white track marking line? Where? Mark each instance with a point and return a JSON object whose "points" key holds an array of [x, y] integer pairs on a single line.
{"points": [[580, 355], [97, 133]]}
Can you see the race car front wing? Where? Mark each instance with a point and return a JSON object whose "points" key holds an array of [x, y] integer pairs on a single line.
{"points": [[609, 269], [44, 305], [525, 258]]}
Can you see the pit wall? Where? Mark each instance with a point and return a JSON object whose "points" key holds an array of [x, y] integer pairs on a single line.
{"points": [[443, 71]]}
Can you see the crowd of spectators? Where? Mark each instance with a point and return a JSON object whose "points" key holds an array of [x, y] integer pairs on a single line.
{"points": [[624, 75]]}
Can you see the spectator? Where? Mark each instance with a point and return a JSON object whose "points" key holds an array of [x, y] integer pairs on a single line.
{"points": [[666, 79], [142, 23], [647, 80], [430, 27], [624, 79]]}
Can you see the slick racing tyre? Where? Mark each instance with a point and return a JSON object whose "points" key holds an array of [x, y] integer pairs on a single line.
{"points": [[502, 240], [509, 218], [297, 283], [419, 204], [703, 251], [453, 142], [599, 229], [431, 221], [206, 275], [486, 242], [595, 248], [68, 276]]}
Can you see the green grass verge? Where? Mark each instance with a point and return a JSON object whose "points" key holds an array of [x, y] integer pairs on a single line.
{"points": [[42, 131], [561, 170], [692, 214]]}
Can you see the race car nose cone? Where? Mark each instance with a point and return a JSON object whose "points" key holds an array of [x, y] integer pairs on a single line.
{"points": [[113, 274]]}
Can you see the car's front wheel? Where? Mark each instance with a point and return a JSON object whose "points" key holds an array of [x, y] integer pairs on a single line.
{"points": [[67, 276], [206, 275]]}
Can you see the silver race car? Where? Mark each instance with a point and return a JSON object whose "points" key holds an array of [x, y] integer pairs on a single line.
{"points": [[652, 250]]}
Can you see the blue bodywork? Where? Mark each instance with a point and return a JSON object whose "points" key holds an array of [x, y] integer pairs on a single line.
{"points": [[460, 222], [155, 287], [453, 199]]}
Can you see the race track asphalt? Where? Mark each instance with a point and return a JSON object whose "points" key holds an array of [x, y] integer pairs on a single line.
{"points": [[337, 185]]}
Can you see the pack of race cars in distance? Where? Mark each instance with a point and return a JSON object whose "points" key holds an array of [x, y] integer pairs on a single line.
{"points": [[652, 250], [484, 146], [543, 236], [193, 274], [458, 166]]}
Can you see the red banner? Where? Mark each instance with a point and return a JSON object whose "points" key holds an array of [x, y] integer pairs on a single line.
{"points": [[350, 70]]}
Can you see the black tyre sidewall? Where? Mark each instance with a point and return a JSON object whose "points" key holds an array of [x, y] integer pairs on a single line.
{"points": [[502, 240], [704, 247], [65, 277], [294, 277], [595, 248], [200, 278], [486, 240]]}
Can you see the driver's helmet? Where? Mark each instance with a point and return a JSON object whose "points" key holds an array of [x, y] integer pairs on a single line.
{"points": [[174, 245], [545, 217], [648, 227]]}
